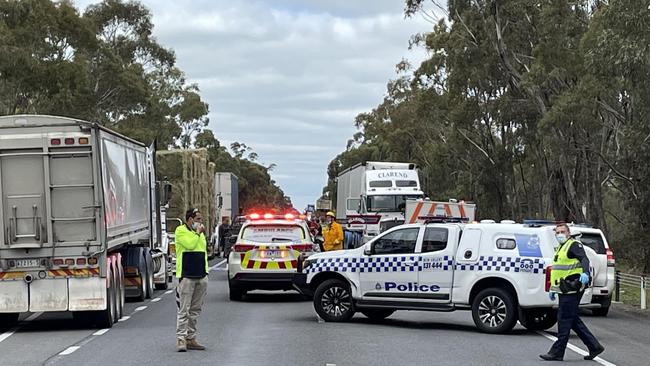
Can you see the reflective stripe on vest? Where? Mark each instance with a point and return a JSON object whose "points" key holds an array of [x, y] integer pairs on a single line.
{"points": [[563, 266]]}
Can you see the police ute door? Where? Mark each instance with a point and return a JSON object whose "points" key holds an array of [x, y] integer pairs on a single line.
{"points": [[436, 268], [389, 270]]}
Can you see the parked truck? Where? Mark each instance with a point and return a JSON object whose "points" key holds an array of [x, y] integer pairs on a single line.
{"points": [[226, 190], [80, 219], [371, 197], [192, 178]]}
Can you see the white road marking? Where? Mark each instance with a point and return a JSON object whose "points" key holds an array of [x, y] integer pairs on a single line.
{"points": [[140, 308], [125, 318], [101, 332], [13, 330], [576, 349], [213, 268], [330, 364], [69, 350], [156, 299], [169, 292]]}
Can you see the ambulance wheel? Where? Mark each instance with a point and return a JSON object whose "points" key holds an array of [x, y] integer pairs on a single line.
{"points": [[8, 319], [494, 311], [377, 314], [333, 301], [538, 319], [235, 293]]}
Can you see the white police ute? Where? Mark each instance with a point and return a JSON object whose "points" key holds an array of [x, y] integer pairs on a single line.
{"points": [[499, 271]]}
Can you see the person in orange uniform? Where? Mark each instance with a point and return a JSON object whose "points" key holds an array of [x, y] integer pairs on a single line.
{"points": [[332, 233]]}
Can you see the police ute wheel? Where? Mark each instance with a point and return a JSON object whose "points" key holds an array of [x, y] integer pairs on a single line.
{"points": [[333, 301], [377, 314], [538, 319], [494, 311]]}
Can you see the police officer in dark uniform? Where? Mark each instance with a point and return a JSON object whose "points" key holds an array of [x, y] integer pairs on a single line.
{"points": [[569, 277]]}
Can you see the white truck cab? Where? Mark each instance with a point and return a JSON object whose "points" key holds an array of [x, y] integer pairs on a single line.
{"points": [[501, 272]]}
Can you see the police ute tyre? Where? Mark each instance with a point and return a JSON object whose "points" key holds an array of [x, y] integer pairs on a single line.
{"points": [[604, 310], [7, 320], [494, 311], [377, 314], [333, 301], [538, 319]]}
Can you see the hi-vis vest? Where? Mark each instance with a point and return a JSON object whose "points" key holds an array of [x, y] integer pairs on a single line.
{"points": [[563, 266]]}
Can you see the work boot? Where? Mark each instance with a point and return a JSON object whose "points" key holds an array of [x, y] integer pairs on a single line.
{"points": [[193, 344], [594, 353], [550, 357], [181, 345]]}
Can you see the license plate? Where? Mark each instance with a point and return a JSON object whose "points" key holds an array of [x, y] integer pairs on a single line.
{"points": [[271, 254], [26, 263]]}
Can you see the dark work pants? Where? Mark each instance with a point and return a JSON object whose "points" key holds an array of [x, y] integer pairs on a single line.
{"points": [[568, 319]]}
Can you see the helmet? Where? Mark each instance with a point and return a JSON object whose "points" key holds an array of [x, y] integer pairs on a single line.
{"points": [[330, 213]]}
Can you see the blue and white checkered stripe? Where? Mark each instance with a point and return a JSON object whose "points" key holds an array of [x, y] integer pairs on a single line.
{"points": [[504, 264], [445, 263], [364, 265]]}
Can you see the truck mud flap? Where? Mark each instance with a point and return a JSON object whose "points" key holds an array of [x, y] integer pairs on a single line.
{"points": [[14, 297], [87, 294], [49, 295]]}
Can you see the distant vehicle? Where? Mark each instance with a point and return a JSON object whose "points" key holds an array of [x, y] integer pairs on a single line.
{"points": [[603, 284], [266, 253], [81, 219], [420, 210], [226, 189], [499, 272], [371, 197]]}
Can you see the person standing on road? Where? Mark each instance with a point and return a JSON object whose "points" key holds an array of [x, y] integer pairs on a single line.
{"points": [[569, 277], [332, 233], [192, 271], [224, 233]]}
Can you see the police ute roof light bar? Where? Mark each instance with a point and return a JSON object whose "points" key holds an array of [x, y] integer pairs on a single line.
{"points": [[270, 216], [442, 219]]}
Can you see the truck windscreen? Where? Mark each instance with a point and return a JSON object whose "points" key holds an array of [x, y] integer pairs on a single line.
{"points": [[388, 203]]}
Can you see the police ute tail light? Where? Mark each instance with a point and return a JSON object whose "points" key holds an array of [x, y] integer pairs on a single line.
{"points": [[611, 262], [547, 284]]}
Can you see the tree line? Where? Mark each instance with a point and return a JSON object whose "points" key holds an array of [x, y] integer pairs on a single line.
{"points": [[531, 109], [104, 65]]}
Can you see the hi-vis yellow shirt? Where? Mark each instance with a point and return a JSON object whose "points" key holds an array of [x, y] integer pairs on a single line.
{"points": [[333, 237], [188, 241]]}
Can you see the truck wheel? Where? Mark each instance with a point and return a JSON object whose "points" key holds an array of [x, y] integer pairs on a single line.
{"points": [[235, 293], [103, 318], [333, 301], [116, 297], [377, 314], [165, 285], [538, 319], [121, 286], [8, 319], [493, 311], [149, 265]]}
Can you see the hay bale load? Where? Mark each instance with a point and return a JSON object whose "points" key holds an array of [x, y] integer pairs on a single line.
{"points": [[192, 179]]}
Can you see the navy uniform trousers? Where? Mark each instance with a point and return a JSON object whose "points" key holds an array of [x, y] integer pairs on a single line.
{"points": [[568, 319]]}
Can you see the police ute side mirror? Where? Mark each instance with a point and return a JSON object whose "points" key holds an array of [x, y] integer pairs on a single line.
{"points": [[367, 250]]}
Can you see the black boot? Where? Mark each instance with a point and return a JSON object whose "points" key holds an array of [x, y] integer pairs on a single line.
{"points": [[550, 357], [594, 353]]}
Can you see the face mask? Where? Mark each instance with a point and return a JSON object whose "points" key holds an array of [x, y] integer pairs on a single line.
{"points": [[561, 238], [195, 225]]}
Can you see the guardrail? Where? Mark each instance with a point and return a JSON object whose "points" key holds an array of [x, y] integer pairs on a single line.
{"points": [[631, 280]]}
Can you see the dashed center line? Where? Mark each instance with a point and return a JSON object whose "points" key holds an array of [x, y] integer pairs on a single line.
{"points": [[101, 332], [140, 308], [69, 350], [13, 330], [156, 299], [125, 318], [169, 292], [576, 349]]}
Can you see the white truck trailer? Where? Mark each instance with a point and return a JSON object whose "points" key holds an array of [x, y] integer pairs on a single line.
{"points": [[371, 197], [226, 189], [80, 219], [423, 209]]}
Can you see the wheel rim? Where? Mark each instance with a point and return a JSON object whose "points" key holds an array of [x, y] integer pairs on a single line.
{"points": [[492, 311], [336, 301]]}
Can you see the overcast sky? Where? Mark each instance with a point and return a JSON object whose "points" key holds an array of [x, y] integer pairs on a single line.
{"points": [[287, 77]]}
